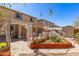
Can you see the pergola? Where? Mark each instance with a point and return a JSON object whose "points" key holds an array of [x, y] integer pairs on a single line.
{"points": [[8, 38]]}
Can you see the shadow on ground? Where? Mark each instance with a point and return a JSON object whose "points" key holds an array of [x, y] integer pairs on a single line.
{"points": [[2, 38], [15, 39]]}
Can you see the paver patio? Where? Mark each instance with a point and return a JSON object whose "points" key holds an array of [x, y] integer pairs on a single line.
{"points": [[20, 48]]}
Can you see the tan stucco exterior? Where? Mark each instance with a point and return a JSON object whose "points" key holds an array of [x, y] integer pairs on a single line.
{"points": [[11, 14], [19, 24], [69, 31]]}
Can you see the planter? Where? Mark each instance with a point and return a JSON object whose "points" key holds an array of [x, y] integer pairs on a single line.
{"points": [[65, 44], [5, 52]]}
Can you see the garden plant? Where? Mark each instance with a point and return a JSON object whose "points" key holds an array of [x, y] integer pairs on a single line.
{"points": [[77, 37]]}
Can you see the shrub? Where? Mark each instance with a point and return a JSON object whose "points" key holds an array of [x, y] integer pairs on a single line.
{"points": [[2, 44], [57, 40], [77, 37]]}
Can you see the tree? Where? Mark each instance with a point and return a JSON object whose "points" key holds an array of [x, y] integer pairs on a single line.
{"points": [[77, 23], [50, 11]]}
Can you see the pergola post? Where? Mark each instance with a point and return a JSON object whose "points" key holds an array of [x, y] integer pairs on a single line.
{"points": [[7, 32], [19, 29], [29, 33]]}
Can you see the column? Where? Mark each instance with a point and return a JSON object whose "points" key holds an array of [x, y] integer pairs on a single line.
{"points": [[19, 31], [7, 32]]}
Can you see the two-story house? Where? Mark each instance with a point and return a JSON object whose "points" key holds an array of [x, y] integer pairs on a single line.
{"points": [[17, 19]]}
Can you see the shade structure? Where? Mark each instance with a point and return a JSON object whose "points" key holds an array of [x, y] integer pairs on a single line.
{"points": [[5, 44]]}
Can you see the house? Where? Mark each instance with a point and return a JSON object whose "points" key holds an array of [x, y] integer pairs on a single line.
{"points": [[43, 22], [18, 21], [46, 27]]}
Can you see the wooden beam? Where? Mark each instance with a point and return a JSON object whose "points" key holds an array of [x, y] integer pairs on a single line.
{"points": [[19, 29], [7, 31], [29, 33]]}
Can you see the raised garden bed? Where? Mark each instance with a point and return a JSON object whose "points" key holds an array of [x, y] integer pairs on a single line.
{"points": [[51, 44], [4, 50]]}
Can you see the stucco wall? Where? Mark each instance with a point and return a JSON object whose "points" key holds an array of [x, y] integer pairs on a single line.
{"points": [[69, 31], [12, 15]]}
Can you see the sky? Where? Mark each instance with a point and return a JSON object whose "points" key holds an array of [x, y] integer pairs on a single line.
{"points": [[63, 13]]}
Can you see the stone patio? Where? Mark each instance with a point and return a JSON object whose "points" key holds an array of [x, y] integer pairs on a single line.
{"points": [[20, 48]]}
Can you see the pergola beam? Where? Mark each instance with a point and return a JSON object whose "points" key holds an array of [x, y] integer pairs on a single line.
{"points": [[7, 31]]}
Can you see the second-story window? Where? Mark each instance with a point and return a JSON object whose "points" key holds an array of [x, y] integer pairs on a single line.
{"points": [[31, 19], [46, 22], [18, 15]]}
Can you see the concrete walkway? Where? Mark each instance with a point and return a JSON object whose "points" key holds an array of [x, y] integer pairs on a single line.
{"points": [[20, 48]]}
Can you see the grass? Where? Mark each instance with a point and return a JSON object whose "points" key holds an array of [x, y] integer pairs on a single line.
{"points": [[57, 40], [2, 44]]}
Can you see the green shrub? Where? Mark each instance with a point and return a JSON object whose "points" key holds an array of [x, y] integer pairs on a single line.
{"points": [[77, 37], [2, 44], [57, 40]]}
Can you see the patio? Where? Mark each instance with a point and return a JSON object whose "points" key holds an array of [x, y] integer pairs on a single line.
{"points": [[20, 48]]}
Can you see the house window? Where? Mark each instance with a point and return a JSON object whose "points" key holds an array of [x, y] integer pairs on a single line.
{"points": [[31, 19], [18, 15]]}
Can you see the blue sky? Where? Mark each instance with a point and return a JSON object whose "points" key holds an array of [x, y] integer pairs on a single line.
{"points": [[63, 13]]}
